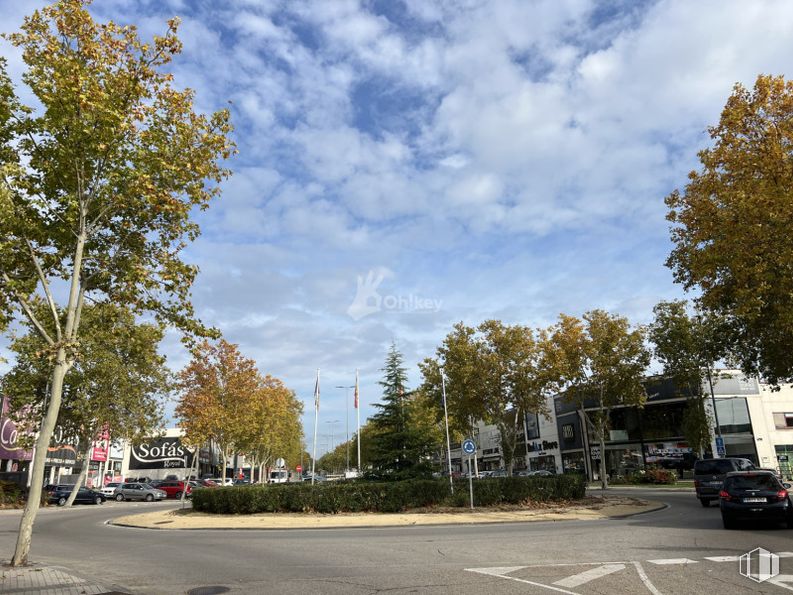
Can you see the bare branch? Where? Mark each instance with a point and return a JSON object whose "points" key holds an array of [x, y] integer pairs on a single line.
{"points": [[29, 312], [45, 284]]}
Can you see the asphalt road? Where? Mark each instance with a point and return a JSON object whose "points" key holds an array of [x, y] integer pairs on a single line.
{"points": [[682, 549]]}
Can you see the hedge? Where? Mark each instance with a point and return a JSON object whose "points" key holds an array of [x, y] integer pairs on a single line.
{"points": [[392, 496]]}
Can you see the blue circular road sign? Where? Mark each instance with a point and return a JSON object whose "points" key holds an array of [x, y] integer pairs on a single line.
{"points": [[469, 447]]}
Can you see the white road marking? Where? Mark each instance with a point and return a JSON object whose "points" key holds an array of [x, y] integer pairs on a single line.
{"points": [[782, 580], [785, 554], [520, 580], [496, 570], [643, 575], [589, 575], [669, 561], [723, 558]]}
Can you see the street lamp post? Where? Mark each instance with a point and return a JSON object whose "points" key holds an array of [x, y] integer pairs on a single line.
{"points": [[347, 420], [332, 423]]}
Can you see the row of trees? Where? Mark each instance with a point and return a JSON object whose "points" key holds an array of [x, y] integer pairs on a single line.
{"points": [[497, 373], [227, 400]]}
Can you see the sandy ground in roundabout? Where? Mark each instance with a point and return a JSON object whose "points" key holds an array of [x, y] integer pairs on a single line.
{"points": [[591, 508]]}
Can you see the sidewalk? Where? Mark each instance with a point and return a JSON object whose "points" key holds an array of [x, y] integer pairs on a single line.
{"points": [[596, 509], [50, 580]]}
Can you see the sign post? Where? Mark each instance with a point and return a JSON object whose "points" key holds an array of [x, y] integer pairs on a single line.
{"points": [[469, 448]]}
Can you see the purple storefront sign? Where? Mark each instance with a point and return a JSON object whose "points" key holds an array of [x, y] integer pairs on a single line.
{"points": [[8, 438]]}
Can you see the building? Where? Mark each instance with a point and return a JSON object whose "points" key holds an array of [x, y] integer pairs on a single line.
{"points": [[755, 421]]}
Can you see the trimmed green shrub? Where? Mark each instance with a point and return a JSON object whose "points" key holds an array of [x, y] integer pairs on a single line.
{"points": [[391, 496], [11, 494]]}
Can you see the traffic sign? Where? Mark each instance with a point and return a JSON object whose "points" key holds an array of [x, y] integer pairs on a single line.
{"points": [[469, 447], [299, 469], [721, 451], [719, 442], [280, 463]]}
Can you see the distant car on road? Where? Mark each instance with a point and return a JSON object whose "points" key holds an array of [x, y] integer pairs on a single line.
{"points": [[755, 495], [709, 475], [84, 495], [138, 491]]}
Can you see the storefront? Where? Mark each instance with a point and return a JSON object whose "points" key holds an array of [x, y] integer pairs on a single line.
{"points": [[156, 458]]}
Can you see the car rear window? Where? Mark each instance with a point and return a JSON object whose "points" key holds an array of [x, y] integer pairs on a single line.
{"points": [[715, 467], [752, 482]]}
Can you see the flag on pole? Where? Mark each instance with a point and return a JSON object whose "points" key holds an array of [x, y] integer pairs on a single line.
{"points": [[316, 393], [356, 389]]}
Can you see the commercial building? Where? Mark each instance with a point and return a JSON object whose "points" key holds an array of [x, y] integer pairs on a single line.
{"points": [[755, 421]]}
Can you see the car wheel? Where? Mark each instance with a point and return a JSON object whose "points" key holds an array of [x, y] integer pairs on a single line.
{"points": [[177, 495], [705, 502], [119, 497], [98, 500], [149, 498], [61, 501], [728, 522]]}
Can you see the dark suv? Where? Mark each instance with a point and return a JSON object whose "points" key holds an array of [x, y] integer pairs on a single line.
{"points": [[709, 474], [755, 495]]}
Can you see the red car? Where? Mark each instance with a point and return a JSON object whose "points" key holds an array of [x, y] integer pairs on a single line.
{"points": [[174, 489]]}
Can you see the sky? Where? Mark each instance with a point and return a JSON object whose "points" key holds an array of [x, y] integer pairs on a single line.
{"points": [[407, 164]]}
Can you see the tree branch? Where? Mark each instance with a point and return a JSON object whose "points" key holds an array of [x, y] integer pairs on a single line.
{"points": [[45, 284], [29, 312]]}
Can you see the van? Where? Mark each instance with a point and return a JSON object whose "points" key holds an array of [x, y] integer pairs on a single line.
{"points": [[709, 476], [281, 476]]}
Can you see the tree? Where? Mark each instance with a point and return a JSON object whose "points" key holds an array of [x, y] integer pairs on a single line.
{"points": [[97, 183], [688, 348], [599, 360], [401, 451], [216, 388], [495, 373], [731, 227], [271, 426], [116, 384]]}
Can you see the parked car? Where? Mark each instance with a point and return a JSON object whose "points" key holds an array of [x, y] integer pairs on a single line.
{"points": [[174, 489], [84, 495], [709, 475], [541, 473], [242, 482], [755, 495], [109, 489], [498, 473], [279, 476], [138, 491]]}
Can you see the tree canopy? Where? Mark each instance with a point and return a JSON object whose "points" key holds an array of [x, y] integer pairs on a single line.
{"points": [[98, 180], [731, 227]]}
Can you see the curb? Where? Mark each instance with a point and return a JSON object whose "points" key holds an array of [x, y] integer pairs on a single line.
{"points": [[658, 506]]}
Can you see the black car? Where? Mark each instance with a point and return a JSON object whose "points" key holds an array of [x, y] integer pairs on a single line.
{"points": [[755, 496], [709, 475], [84, 496]]}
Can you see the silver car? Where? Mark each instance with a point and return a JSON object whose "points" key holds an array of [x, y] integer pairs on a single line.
{"points": [[138, 491]]}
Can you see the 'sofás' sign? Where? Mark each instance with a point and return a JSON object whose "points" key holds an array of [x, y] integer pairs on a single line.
{"points": [[160, 453]]}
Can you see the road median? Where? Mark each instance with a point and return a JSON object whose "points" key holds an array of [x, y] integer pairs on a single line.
{"points": [[591, 508]]}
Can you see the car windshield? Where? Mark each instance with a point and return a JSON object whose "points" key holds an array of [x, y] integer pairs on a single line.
{"points": [[752, 482]]}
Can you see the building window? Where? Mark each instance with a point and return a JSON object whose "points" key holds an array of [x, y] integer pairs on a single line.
{"points": [[783, 421], [532, 426], [568, 432]]}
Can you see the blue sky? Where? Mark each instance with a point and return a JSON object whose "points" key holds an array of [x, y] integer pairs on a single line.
{"points": [[487, 159]]}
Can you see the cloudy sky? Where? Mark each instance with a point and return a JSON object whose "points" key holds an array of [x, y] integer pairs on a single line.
{"points": [[449, 160]]}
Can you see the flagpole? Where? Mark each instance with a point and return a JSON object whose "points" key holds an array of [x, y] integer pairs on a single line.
{"points": [[316, 417], [358, 414], [446, 418]]}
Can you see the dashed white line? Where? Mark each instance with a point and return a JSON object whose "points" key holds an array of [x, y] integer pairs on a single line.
{"points": [[723, 558]]}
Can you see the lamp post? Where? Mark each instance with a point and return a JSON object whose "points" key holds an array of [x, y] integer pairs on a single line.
{"points": [[332, 423], [347, 421]]}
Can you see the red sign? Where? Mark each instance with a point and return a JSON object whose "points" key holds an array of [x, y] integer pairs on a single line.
{"points": [[98, 454], [299, 469]]}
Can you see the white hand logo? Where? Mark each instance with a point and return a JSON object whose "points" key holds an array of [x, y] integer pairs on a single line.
{"points": [[367, 300]]}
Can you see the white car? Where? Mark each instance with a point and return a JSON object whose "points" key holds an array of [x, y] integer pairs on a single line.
{"points": [[109, 489], [227, 482]]}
